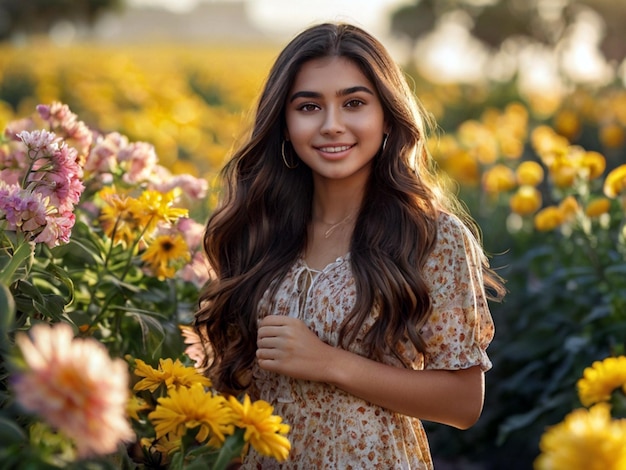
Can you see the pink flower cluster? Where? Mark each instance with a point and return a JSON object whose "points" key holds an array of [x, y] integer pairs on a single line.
{"points": [[39, 200]]}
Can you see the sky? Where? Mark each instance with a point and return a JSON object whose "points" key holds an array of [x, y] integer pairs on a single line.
{"points": [[287, 17]]}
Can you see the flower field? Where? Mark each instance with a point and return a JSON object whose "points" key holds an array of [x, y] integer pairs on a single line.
{"points": [[137, 134]]}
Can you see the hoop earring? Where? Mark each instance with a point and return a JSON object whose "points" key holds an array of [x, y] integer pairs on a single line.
{"points": [[282, 152], [385, 137]]}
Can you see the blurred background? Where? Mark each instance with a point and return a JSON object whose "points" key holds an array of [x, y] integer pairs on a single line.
{"points": [[498, 75]]}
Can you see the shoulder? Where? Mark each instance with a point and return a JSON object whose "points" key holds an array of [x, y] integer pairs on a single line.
{"points": [[455, 241]]}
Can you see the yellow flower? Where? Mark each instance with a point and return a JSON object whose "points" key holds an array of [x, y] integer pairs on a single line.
{"points": [[165, 445], [569, 208], [498, 179], [594, 163], [462, 167], [121, 217], [597, 207], [263, 430], [601, 379], [158, 208], [135, 405], [585, 440], [549, 218], [615, 182], [612, 135], [529, 173], [567, 123], [165, 253], [526, 200], [563, 172], [172, 374], [191, 408]]}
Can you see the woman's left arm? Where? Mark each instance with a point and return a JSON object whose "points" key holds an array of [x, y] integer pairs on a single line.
{"points": [[454, 397]]}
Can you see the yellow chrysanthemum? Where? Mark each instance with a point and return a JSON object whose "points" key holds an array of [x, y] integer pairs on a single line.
{"points": [[526, 200], [585, 440], [615, 182], [165, 254], [158, 207], [529, 173], [191, 408], [569, 207], [165, 445], [121, 217], [135, 405], [612, 135], [499, 178], [563, 172], [594, 163], [567, 123], [601, 379], [597, 207], [263, 430], [548, 218], [172, 374]]}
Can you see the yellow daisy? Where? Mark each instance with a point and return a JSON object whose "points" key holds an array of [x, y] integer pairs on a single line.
{"points": [[585, 440], [135, 405], [167, 444], [615, 182], [601, 379], [158, 207], [121, 217], [263, 430], [172, 374], [165, 253], [191, 408]]}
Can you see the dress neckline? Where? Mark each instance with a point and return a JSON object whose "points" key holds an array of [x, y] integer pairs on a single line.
{"points": [[330, 265]]}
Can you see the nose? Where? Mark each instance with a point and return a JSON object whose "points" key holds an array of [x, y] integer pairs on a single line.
{"points": [[333, 121]]}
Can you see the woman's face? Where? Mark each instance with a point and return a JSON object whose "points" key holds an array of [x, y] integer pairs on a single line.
{"points": [[335, 120]]}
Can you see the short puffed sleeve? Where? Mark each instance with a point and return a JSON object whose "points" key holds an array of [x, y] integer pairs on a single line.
{"points": [[459, 327]]}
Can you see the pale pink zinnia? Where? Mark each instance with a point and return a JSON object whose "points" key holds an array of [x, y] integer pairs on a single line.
{"points": [[74, 385]]}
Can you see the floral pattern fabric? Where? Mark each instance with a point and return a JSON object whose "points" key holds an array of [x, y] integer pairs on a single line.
{"points": [[333, 429]]}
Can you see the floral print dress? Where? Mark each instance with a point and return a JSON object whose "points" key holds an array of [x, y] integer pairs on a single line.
{"points": [[333, 429]]}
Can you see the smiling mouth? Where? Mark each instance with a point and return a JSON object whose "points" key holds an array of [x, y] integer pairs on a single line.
{"points": [[335, 149]]}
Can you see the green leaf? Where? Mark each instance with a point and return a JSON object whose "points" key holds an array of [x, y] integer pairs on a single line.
{"points": [[232, 448], [10, 432], [20, 256], [152, 331], [7, 313]]}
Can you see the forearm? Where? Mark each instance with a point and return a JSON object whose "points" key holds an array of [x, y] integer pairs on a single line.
{"points": [[449, 397]]}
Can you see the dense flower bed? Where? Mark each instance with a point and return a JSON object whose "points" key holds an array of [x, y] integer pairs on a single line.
{"points": [[100, 265], [542, 172]]}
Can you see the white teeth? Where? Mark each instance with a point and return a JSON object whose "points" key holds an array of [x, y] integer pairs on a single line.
{"points": [[335, 149]]}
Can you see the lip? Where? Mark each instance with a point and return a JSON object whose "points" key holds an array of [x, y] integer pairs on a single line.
{"points": [[334, 151]]}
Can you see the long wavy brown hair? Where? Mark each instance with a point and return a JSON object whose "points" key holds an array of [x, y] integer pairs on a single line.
{"points": [[260, 226]]}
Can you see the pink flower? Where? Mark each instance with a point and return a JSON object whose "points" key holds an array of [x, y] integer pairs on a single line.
{"points": [[197, 349], [66, 122], [103, 156], [194, 188], [22, 210], [139, 160], [197, 271], [58, 229], [75, 386], [192, 231], [40, 141]]}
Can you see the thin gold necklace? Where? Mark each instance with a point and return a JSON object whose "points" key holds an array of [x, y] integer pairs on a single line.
{"points": [[332, 228]]}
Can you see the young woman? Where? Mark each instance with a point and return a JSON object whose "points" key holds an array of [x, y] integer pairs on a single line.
{"points": [[349, 290]]}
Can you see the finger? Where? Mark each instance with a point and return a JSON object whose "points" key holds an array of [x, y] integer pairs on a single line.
{"points": [[269, 331], [275, 320]]}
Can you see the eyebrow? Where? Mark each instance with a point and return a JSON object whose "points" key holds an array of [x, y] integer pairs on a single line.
{"points": [[343, 92]]}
